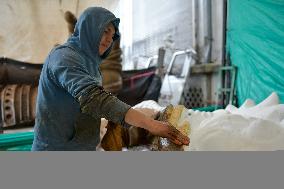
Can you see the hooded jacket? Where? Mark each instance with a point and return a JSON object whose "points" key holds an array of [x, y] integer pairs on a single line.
{"points": [[71, 100]]}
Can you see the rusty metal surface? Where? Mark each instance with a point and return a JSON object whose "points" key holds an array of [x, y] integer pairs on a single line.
{"points": [[18, 92], [33, 97], [18, 104], [25, 102], [8, 105]]}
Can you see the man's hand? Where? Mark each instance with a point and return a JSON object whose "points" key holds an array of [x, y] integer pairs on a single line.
{"points": [[164, 129]]}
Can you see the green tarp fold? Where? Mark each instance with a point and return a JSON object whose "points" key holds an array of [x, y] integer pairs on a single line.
{"points": [[21, 141]]}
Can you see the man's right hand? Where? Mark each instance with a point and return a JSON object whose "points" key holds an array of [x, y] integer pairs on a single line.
{"points": [[164, 129], [159, 128]]}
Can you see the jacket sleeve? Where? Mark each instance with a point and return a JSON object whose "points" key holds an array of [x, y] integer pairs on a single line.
{"points": [[99, 102], [72, 76]]}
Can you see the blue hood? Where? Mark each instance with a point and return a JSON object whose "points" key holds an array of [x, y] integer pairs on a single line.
{"points": [[89, 30]]}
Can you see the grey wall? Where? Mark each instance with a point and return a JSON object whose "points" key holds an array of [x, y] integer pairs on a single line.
{"points": [[153, 21]]}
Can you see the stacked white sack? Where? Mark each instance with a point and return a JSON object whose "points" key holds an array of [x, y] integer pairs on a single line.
{"points": [[250, 127]]}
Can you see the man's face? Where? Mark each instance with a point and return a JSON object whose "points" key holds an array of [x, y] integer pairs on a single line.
{"points": [[107, 38]]}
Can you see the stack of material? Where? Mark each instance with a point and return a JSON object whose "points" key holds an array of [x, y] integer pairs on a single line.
{"points": [[71, 20], [111, 69], [250, 127]]}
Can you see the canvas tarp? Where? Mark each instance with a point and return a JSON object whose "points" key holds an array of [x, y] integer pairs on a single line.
{"points": [[30, 28]]}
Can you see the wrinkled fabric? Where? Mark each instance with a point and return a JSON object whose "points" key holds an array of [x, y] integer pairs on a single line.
{"points": [[71, 101], [255, 42]]}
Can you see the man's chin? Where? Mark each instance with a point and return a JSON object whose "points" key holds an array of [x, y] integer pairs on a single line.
{"points": [[101, 52]]}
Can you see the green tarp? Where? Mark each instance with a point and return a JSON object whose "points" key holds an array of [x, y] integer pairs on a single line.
{"points": [[21, 141], [255, 42]]}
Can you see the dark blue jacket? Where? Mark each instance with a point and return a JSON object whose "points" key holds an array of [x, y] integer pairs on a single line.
{"points": [[71, 101]]}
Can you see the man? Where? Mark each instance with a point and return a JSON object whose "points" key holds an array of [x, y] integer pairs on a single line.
{"points": [[71, 101]]}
